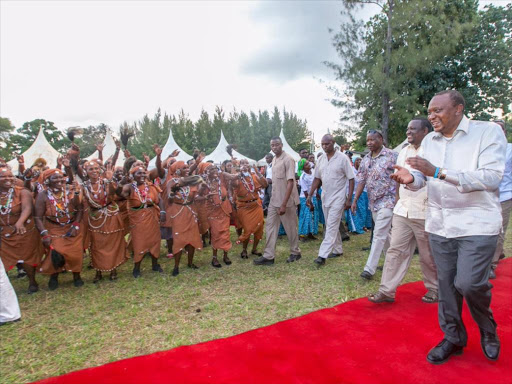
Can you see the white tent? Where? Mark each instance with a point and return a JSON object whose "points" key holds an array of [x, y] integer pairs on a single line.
{"points": [[169, 148], [108, 150], [286, 147], [39, 148], [220, 154]]}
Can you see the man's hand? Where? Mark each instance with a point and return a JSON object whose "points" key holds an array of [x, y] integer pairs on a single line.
{"points": [[353, 207], [402, 175], [348, 205], [422, 165], [282, 210], [308, 203]]}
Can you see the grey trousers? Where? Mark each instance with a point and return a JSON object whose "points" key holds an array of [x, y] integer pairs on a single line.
{"points": [[290, 223], [463, 266]]}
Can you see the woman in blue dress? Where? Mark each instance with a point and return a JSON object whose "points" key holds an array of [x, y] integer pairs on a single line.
{"points": [[308, 220], [361, 221]]}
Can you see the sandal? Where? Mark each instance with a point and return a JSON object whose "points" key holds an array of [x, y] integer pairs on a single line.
{"points": [[215, 263], [243, 255], [226, 260], [430, 297], [379, 297]]}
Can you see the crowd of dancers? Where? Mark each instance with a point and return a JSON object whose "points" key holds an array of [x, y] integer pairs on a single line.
{"points": [[448, 194]]}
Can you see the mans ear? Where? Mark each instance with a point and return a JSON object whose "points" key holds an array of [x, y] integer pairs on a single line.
{"points": [[460, 109]]}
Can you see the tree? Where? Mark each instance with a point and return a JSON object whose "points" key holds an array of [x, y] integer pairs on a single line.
{"points": [[407, 39], [6, 127], [148, 131], [91, 136], [26, 135]]}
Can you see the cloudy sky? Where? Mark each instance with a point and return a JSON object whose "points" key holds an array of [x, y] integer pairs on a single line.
{"points": [[90, 62]]}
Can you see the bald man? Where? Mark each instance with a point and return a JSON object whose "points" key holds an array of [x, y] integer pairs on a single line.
{"points": [[333, 171]]}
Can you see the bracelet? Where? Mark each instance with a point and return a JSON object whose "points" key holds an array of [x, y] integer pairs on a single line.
{"points": [[43, 231], [163, 212], [436, 173]]}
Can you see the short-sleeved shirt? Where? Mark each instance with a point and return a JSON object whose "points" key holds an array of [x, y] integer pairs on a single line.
{"points": [[376, 172], [334, 173], [283, 169], [305, 182]]}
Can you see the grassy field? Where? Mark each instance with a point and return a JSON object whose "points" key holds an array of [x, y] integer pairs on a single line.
{"points": [[74, 328]]}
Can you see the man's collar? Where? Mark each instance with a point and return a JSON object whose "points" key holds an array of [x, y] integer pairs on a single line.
{"points": [[463, 127]]}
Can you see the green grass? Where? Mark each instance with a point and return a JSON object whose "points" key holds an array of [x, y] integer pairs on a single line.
{"points": [[74, 328]]}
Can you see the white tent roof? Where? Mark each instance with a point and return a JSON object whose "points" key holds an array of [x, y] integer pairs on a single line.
{"points": [[169, 148], [286, 147], [108, 150], [220, 154], [39, 148]]}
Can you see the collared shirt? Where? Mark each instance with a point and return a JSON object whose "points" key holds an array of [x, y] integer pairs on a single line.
{"points": [[412, 204], [506, 183], [467, 202], [268, 174], [376, 172], [283, 169], [334, 174]]}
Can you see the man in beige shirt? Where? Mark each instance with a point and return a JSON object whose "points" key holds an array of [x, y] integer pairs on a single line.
{"points": [[282, 207], [408, 228]]}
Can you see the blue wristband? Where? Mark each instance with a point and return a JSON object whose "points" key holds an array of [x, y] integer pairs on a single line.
{"points": [[436, 173]]}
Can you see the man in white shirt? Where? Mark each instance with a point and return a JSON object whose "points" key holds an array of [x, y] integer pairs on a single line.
{"points": [[333, 170], [408, 228], [505, 201], [462, 166]]}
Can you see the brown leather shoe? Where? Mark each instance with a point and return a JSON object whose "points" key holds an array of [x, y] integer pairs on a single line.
{"points": [[379, 297]]}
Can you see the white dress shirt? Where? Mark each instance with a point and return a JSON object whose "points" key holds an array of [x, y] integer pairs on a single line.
{"points": [[334, 174], [506, 182], [412, 204], [467, 202]]}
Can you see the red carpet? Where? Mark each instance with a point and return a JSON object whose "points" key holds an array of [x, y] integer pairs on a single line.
{"points": [[355, 342]]}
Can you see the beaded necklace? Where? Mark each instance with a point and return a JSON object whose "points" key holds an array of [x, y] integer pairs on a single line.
{"points": [[60, 208], [89, 190], [142, 195], [249, 186], [219, 190], [5, 209]]}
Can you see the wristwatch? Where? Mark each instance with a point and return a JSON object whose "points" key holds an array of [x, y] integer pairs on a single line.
{"points": [[442, 174]]}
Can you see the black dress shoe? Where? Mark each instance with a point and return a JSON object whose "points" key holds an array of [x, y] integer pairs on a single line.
{"points": [[442, 352], [345, 238], [366, 275], [490, 345], [293, 258], [262, 261], [319, 261], [334, 255]]}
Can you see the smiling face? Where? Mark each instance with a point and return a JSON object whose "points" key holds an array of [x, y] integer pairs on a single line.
{"points": [[93, 171], [185, 170], [6, 179], [118, 173], [140, 176], [213, 172], [244, 165], [415, 132], [57, 182], [444, 115], [228, 167]]}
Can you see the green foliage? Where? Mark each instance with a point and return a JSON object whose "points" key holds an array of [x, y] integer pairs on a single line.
{"points": [[6, 128], [435, 45], [250, 134], [92, 135], [23, 137]]}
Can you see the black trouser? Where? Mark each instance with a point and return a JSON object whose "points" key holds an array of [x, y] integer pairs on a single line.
{"points": [[463, 266]]}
